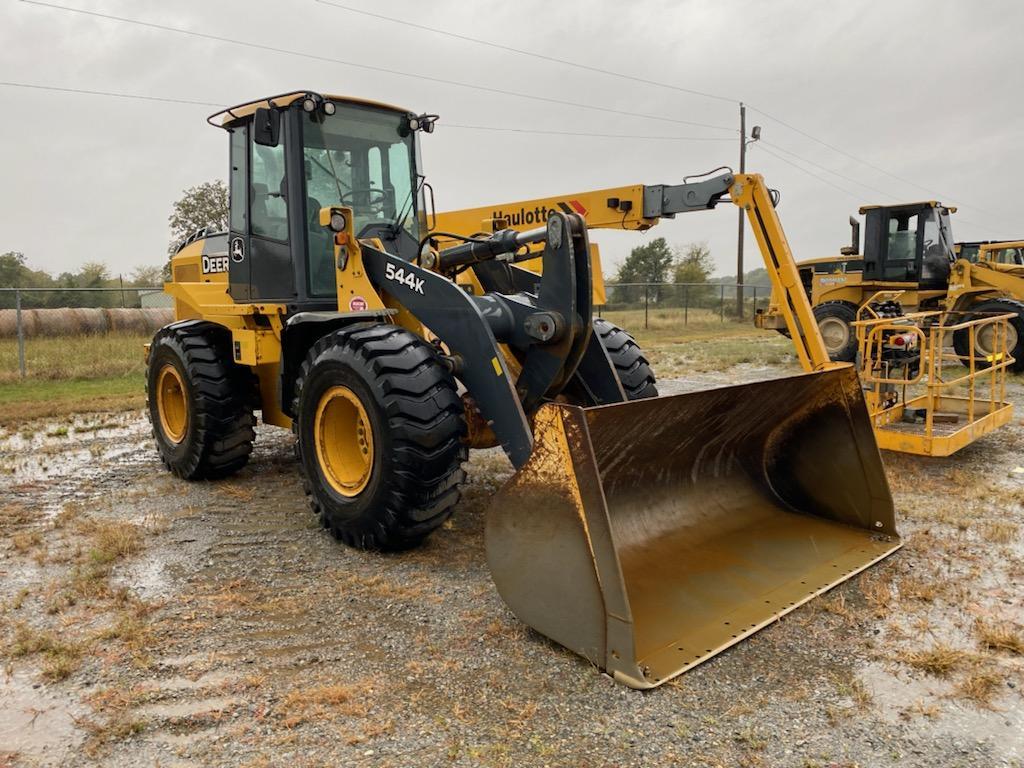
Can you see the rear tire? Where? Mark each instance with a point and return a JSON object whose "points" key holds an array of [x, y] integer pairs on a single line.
{"points": [[200, 402], [631, 366], [835, 322], [380, 432], [1014, 334]]}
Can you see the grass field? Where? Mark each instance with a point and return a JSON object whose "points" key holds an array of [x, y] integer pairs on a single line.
{"points": [[79, 374], [73, 357], [71, 374]]}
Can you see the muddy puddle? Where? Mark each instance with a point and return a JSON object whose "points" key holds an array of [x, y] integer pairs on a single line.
{"points": [[38, 722], [898, 697]]}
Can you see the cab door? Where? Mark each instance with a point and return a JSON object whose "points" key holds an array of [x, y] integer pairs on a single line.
{"points": [[238, 234], [259, 243]]}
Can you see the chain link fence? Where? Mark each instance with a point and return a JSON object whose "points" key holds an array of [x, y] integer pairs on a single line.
{"points": [[77, 333], [657, 306], [91, 333]]}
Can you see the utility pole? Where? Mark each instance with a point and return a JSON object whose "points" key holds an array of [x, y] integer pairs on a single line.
{"points": [[755, 135], [740, 211]]}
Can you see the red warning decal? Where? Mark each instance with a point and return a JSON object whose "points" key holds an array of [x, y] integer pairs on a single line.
{"points": [[357, 304]]}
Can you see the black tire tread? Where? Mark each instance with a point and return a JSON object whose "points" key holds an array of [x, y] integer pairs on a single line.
{"points": [[223, 394], [425, 420], [632, 368]]}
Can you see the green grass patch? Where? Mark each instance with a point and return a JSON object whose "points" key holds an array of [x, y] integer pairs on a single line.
{"points": [[35, 399], [73, 357]]}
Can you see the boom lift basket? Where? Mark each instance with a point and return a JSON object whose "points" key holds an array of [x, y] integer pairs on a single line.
{"points": [[649, 536]]}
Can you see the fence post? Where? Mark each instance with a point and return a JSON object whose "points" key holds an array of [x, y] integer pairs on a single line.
{"points": [[646, 304], [121, 281], [755, 299], [686, 304], [21, 333], [721, 303]]}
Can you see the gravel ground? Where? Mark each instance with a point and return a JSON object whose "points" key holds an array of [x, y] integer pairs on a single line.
{"points": [[149, 621]]}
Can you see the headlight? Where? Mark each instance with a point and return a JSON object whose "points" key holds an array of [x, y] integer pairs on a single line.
{"points": [[309, 104], [329, 108], [338, 221]]}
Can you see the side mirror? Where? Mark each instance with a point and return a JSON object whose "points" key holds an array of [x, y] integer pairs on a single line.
{"points": [[266, 127]]}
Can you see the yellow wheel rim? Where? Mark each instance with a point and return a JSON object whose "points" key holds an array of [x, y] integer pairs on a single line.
{"points": [[172, 403], [985, 340], [835, 333], [344, 441]]}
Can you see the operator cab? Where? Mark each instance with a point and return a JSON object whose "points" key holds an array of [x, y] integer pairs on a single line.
{"points": [[292, 155], [1010, 253], [910, 243]]}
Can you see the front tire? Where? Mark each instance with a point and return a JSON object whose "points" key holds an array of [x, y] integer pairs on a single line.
{"points": [[200, 402], [380, 432], [983, 345], [835, 323], [631, 366]]}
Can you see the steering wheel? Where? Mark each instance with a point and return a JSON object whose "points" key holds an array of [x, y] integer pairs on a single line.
{"points": [[374, 198]]}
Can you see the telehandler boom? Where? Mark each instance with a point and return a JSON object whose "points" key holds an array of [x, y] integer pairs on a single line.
{"points": [[645, 533]]}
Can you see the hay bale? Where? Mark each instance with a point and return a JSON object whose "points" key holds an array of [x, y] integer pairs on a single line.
{"points": [[138, 321], [83, 321]]}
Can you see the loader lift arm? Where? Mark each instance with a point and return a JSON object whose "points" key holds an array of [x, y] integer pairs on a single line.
{"points": [[639, 207]]}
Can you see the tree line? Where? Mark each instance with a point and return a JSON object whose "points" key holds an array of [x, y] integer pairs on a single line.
{"points": [[60, 289], [662, 270], [205, 205]]}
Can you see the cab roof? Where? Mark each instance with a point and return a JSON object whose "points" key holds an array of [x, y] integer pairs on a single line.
{"points": [[229, 115], [920, 203]]}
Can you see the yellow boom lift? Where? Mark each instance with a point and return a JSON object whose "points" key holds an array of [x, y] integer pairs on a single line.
{"points": [[907, 307], [645, 533]]}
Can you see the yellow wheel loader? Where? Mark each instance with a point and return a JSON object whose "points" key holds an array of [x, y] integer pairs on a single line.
{"points": [[909, 248], [1009, 252], [644, 533]]}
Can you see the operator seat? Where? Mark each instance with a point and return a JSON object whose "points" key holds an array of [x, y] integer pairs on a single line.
{"points": [[321, 252]]}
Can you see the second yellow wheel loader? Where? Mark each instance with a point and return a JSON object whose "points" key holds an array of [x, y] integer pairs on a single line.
{"points": [[644, 534], [909, 248]]}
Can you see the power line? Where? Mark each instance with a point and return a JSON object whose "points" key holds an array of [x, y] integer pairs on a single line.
{"points": [[822, 179], [827, 170], [926, 190], [515, 94], [656, 83], [373, 68], [533, 54], [460, 126], [113, 94], [576, 133], [845, 191]]}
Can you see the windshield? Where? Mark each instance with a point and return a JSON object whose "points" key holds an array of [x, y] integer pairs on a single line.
{"points": [[1013, 256], [356, 157]]}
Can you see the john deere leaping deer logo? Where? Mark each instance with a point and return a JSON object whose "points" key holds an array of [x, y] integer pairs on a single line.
{"points": [[237, 250]]}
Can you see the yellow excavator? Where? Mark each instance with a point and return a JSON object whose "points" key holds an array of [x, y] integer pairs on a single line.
{"points": [[646, 533]]}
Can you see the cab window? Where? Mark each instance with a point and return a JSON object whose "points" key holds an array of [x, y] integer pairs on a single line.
{"points": [[902, 237], [268, 203]]}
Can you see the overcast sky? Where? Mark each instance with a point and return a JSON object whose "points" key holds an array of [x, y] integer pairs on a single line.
{"points": [[926, 92]]}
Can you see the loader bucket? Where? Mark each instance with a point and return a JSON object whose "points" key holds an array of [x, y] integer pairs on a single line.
{"points": [[649, 536]]}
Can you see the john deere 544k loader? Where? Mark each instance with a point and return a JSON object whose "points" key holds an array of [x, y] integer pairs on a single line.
{"points": [[645, 535]]}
